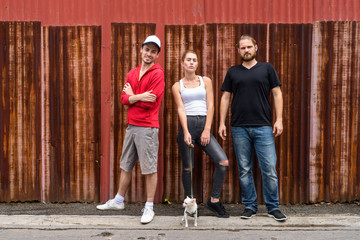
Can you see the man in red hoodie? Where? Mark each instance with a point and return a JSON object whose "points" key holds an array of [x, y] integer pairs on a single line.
{"points": [[142, 92]]}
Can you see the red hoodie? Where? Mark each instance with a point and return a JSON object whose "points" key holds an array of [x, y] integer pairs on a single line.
{"points": [[145, 114]]}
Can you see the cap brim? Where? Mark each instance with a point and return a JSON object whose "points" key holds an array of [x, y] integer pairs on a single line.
{"points": [[152, 43]]}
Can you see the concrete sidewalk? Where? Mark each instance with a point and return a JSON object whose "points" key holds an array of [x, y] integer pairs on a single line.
{"points": [[168, 217], [329, 222]]}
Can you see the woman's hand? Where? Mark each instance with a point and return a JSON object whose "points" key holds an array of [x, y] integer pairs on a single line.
{"points": [[205, 137], [188, 140]]}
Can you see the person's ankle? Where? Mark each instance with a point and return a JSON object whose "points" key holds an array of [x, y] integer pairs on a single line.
{"points": [[149, 205]]}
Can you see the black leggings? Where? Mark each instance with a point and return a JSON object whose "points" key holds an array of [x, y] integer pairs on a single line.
{"points": [[196, 126]]}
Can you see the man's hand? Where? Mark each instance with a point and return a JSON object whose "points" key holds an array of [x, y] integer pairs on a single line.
{"points": [[128, 89], [278, 128], [148, 97], [222, 131]]}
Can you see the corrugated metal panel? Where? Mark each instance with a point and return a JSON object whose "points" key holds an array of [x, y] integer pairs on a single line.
{"points": [[90, 12], [20, 116], [280, 11], [126, 42], [290, 53], [71, 116], [334, 118]]}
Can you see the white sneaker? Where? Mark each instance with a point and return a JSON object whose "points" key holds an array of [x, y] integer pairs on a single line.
{"points": [[148, 215], [111, 205]]}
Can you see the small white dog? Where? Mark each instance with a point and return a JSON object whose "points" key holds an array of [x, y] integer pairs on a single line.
{"points": [[190, 210]]}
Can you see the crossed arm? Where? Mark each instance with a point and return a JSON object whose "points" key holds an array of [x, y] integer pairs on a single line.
{"points": [[143, 97]]}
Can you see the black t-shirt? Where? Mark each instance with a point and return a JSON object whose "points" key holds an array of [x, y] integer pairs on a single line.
{"points": [[250, 106]]}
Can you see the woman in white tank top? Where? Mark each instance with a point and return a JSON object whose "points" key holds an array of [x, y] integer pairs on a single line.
{"points": [[194, 98]]}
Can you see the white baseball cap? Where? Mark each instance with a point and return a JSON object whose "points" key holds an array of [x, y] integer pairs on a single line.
{"points": [[153, 39]]}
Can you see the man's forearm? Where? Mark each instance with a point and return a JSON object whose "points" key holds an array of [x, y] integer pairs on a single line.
{"points": [[224, 106], [278, 104], [134, 98]]}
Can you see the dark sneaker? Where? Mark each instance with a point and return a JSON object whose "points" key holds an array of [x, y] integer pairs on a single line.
{"points": [[247, 214], [217, 208], [277, 215]]}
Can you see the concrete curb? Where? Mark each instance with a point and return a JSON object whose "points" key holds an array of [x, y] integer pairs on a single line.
{"points": [[304, 223]]}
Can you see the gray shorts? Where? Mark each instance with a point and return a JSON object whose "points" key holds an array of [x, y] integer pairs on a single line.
{"points": [[140, 143]]}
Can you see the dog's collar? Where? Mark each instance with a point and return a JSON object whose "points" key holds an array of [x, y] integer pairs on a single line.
{"points": [[190, 214]]}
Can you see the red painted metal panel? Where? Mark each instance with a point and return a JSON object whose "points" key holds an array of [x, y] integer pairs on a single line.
{"points": [[72, 123], [20, 116], [94, 12]]}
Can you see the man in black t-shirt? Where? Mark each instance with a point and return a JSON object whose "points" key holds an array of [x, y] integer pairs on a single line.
{"points": [[251, 125]]}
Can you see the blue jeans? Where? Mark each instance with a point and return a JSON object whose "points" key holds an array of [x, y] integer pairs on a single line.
{"points": [[262, 138]]}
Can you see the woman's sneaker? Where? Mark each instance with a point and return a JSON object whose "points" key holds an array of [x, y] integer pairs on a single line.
{"points": [[217, 208], [111, 205], [277, 215]]}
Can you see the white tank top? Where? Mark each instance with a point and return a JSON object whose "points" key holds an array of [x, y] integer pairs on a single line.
{"points": [[194, 99]]}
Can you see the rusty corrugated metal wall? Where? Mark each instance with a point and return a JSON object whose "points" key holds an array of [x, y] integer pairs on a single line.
{"points": [[314, 155], [126, 41], [321, 102], [20, 111], [71, 129]]}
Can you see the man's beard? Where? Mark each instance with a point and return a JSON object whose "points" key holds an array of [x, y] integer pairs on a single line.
{"points": [[248, 57]]}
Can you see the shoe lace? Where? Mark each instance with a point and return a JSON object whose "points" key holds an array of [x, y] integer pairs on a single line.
{"points": [[248, 211], [145, 210]]}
